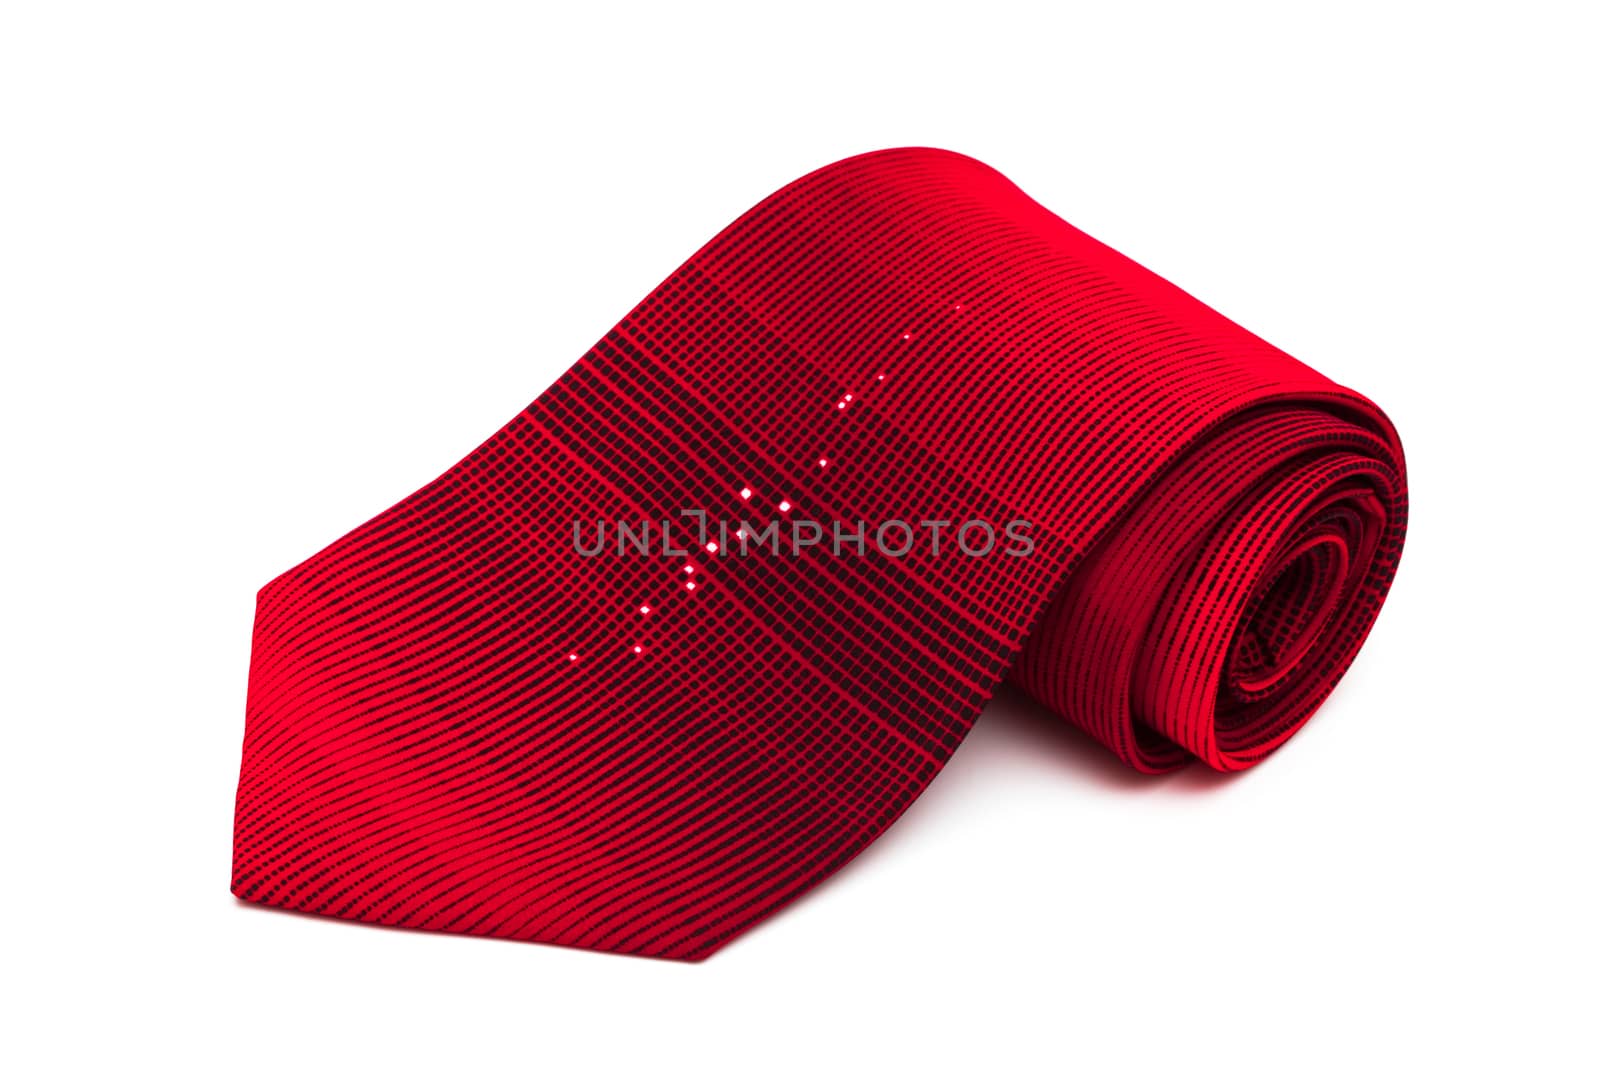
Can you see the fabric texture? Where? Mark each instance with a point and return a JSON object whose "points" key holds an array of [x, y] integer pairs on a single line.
{"points": [[464, 717]]}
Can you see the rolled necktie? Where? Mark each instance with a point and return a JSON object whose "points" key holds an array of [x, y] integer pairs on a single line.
{"points": [[700, 622]]}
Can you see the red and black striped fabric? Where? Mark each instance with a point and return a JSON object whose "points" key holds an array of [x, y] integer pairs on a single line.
{"points": [[458, 721]]}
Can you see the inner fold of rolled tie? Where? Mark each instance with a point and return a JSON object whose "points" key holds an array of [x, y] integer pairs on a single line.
{"points": [[1214, 618]]}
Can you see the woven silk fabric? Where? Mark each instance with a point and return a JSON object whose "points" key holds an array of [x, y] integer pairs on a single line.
{"points": [[458, 721]]}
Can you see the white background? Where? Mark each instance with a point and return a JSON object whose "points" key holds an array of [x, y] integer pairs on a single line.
{"points": [[265, 269]]}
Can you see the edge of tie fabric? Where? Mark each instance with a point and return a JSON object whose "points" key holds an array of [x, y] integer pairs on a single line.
{"points": [[456, 722]]}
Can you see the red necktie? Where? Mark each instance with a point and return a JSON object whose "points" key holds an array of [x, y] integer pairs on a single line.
{"points": [[911, 433]]}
